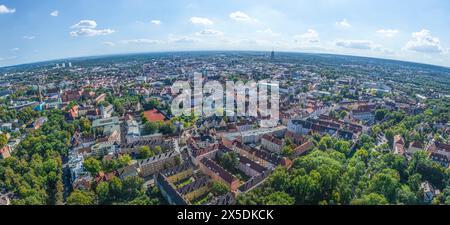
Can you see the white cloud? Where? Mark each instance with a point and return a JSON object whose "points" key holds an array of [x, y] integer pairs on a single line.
{"points": [[242, 17], [183, 40], [141, 41], [156, 22], [109, 43], [88, 32], [26, 37], [85, 24], [423, 42], [6, 10], [387, 32], [269, 32], [343, 24], [355, 44], [209, 32], [15, 49], [87, 28], [310, 36], [54, 13], [364, 45], [201, 21]]}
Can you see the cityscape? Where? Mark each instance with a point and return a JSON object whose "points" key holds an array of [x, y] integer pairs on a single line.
{"points": [[316, 127]]}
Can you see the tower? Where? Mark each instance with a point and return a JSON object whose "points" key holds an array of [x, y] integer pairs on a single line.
{"points": [[272, 55]]}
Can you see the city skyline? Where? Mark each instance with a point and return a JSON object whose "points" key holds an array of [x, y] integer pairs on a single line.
{"points": [[47, 30]]}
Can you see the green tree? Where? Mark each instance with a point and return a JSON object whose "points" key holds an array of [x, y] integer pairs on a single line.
{"points": [[168, 128], [85, 125], [279, 198], [145, 152], [157, 150], [218, 189], [287, 151], [150, 127], [380, 114], [370, 199], [92, 165], [102, 192], [385, 183], [229, 161], [3, 140], [81, 198]]}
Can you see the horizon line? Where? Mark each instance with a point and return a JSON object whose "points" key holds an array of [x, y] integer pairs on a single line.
{"points": [[186, 51]]}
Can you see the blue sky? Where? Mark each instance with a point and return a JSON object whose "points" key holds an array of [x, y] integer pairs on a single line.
{"points": [[412, 30]]}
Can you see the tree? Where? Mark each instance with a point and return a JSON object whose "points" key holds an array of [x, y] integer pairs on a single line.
{"points": [[229, 160], [342, 147], [430, 170], [92, 165], [370, 199], [385, 183], [152, 104], [115, 188], [342, 114], [168, 128], [406, 196], [132, 188], [79, 197], [279, 198], [85, 125], [218, 188], [145, 152], [157, 150], [287, 151], [380, 114], [102, 191], [150, 127], [3, 140]]}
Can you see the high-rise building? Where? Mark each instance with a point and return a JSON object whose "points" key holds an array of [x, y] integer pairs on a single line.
{"points": [[272, 55]]}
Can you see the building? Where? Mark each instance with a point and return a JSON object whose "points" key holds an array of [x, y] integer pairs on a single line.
{"points": [[195, 189], [128, 171], [254, 136], [428, 192], [216, 172], [133, 129], [398, 145], [249, 167], [5, 94], [439, 152], [414, 147], [303, 149], [272, 143], [106, 111], [101, 98], [226, 199], [160, 162], [6, 127], [5, 152], [71, 95], [169, 191], [301, 127]]}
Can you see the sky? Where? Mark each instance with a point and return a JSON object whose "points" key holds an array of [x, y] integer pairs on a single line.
{"points": [[410, 30]]}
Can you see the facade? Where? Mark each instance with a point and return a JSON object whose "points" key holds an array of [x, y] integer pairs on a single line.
{"points": [[106, 111], [272, 143], [157, 163], [216, 172], [5, 152]]}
